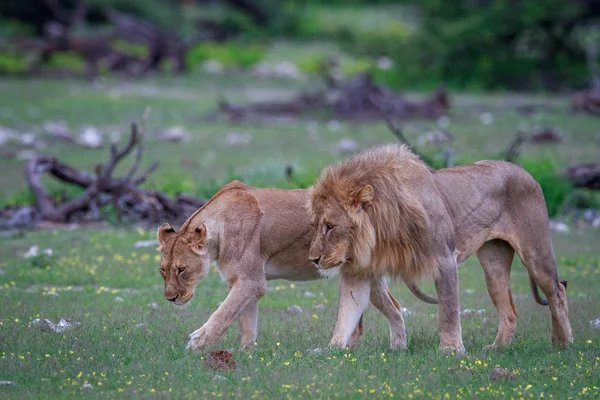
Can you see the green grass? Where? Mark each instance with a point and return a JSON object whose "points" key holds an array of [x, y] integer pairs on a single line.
{"points": [[120, 357], [90, 267]]}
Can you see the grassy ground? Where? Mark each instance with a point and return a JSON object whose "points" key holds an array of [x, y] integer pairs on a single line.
{"points": [[131, 349]]}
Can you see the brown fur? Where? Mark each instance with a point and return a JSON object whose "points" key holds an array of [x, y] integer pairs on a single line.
{"points": [[395, 240], [384, 204], [253, 235]]}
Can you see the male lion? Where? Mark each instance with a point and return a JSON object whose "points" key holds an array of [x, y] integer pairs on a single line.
{"points": [[383, 211], [253, 235]]}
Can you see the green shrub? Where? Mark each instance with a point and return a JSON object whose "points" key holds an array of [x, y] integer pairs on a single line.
{"points": [[555, 187], [228, 54], [13, 63]]}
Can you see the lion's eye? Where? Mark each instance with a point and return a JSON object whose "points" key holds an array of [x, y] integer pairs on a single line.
{"points": [[329, 226], [180, 270]]}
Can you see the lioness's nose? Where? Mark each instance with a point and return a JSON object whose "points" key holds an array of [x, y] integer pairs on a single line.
{"points": [[172, 299], [315, 260]]}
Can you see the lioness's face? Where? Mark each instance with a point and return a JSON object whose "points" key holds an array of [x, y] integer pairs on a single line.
{"points": [[184, 262], [331, 244]]}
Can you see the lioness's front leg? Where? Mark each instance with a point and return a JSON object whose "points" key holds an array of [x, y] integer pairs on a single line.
{"points": [[353, 301], [243, 294], [248, 322], [383, 300]]}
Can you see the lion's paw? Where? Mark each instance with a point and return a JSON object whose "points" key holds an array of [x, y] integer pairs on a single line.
{"points": [[457, 349]]}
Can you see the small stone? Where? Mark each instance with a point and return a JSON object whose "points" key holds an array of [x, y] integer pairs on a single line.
{"points": [[461, 370], [347, 146], [141, 325], [87, 386], [501, 373], [153, 305], [468, 291], [316, 351], [559, 227], [6, 383], [294, 309], [309, 294], [486, 118], [595, 323], [145, 243], [91, 137], [119, 299], [219, 378], [173, 134], [61, 326], [319, 307], [470, 311], [237, 139], [27, 139]]}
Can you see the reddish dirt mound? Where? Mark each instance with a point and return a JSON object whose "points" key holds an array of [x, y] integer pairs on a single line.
{"points": [[220, 360]]}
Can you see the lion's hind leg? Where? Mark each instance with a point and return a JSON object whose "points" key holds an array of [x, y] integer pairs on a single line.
{"points": [[496, 258]]}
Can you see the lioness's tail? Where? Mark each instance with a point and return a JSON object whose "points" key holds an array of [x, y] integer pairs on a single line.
{"points": [[536, 293], [420, 295]]}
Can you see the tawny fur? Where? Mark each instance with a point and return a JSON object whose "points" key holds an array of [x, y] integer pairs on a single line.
{"points": [[393, 235]]}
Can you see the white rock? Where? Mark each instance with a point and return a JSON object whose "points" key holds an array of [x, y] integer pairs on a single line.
{"points": [[119, 299], [595, 323], [235, 138], [319, 307], [559, 227], [27, 139], [294, 309], [469, 311], [145, 243], [444, 121], [141, 325], [153, 305], [6, 383], [346, 146], [219, 378], [468, 291], [334, 125], [87, 386], [309, 294], [316, 351], [60, 327], [212, 66], [34, 251], [173, 134], [384, 63], [7, 134], [486, 118], [91, 137]]}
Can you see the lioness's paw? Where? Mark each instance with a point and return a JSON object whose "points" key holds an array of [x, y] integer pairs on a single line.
{"points": [[199, 340]]}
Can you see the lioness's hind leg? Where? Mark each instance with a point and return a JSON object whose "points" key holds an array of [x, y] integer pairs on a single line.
{"points": [[383, 300], [542, 268], [496, 258]]}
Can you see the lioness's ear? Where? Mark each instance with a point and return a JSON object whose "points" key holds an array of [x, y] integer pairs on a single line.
{"points": [[365, 196], [199, 237], [164, 232]]}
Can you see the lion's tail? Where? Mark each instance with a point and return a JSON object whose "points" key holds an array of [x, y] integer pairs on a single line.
{"points": [[420, 295], [536, 292]]}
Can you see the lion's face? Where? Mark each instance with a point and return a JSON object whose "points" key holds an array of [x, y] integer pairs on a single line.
{"points": [[337, 228], [185, 261]]}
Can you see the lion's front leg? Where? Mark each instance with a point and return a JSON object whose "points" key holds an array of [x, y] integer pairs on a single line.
{"points": [[353, 301], [241, 296], [446, 286], [383, 300]]}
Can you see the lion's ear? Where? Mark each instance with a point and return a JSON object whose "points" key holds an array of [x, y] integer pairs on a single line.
{"points": [[365, 196], [199, 237], [164, 232]]}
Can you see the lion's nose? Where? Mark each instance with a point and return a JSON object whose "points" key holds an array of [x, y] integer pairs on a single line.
{"points": [[172, 299], [316, 260]]}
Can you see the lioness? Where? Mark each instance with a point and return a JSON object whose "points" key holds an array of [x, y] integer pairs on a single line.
{"points": [[383, 211], [253, 235]]}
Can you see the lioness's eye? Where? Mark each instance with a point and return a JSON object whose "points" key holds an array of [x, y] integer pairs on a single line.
{"points": [[329, 226], [181, 269]]}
